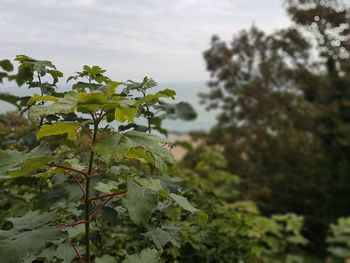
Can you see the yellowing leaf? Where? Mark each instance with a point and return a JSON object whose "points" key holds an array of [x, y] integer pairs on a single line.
{"points": [[123, 114], [31, 164], [37, 97], [139, 154], [59, 128]]}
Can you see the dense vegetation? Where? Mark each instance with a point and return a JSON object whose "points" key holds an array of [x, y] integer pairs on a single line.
{"points": [[75, 189], [284, 123]]}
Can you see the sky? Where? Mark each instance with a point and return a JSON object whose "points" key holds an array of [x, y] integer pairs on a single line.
{"points": [[163, 39]]}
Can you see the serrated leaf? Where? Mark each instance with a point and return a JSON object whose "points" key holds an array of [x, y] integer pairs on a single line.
{"points": [[162, 236], [108, 187], [116, 145], [140, 202], [28, 243], [147, 255], [28, 237], [60, 127], [31, 220], [183, 202]]}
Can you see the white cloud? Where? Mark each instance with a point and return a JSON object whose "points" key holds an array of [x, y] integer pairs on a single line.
{"points": [[164, 39]]}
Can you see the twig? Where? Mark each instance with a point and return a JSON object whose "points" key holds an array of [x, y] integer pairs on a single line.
{"points": [[77, 252], [67, 168], [74, 224], [79, 184], [98, 209], [109, 195]]}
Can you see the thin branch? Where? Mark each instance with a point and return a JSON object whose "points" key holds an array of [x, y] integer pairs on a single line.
{"points": [[109, 195], [67, 168], [93, 117], [79, 184], [73, 224], [98, 209], [77, 252]]}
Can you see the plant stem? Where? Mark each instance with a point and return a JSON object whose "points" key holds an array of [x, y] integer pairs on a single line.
{"points": [[87, 195], [109, 195], [67, 168], [149, 120]]}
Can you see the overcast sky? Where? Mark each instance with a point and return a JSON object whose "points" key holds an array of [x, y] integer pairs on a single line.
{"points": [[163, 39]]}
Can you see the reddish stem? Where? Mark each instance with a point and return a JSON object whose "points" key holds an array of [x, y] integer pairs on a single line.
{"points": [[74, 224], [79, 184], [77, 252], [98, 209], [67, 168], [109, 195]]}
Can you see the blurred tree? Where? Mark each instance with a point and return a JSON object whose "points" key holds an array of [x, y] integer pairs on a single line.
{"points": [[285, 118]]}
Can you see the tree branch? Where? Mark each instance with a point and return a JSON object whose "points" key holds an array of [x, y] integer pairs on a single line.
{"points": [[109, 195], [79, 184], [77, 252], [67, 168], [98, 209]]}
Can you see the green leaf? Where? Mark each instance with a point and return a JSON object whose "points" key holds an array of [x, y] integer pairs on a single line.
{"points": [[105, 259], [31, 164], [94, 70], [18, 102], [6, 65], [91, 98], [147, 255], [69, 128], [28, 237], [31, 220], [153, 184], [162, 236], [152, 98], [90, 102], [182, 110], [140, 202], [183, 202], [64, 105], [76, 231], [66, 252], [17, 246], [9, 160], [202, 218], [108, 187], [116, 146]]}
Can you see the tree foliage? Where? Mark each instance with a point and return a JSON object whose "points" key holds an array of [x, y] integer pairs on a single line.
{"points": [[284, 112], [78, 165]]}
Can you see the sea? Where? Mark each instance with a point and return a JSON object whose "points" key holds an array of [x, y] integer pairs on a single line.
{"points": [[185, 91]]}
